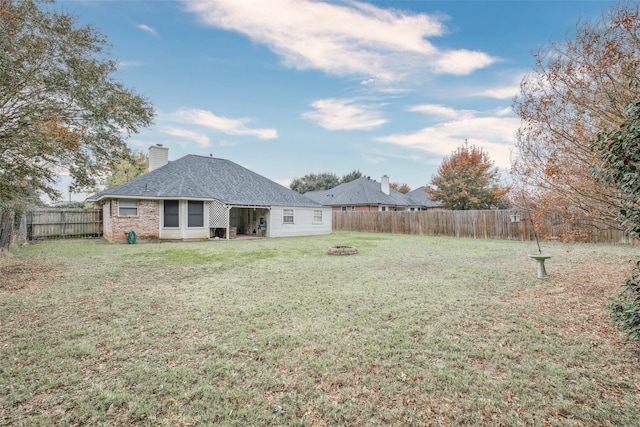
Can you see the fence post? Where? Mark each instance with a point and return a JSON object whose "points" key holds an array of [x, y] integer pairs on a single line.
{"points": [[23, 229], [63, 221]]}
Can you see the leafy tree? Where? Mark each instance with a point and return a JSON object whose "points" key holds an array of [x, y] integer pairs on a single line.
{"points": [[351, 176], [27, 199], [60, 108], [70, 205], [619, 167], [577, 88], [401, 188], [129, 168], [625, 308], [619, 154], [466, 180], [314, 182]]}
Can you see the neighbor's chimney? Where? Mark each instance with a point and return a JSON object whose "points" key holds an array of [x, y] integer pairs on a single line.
{"points": [[385, 185], [158, 156]]}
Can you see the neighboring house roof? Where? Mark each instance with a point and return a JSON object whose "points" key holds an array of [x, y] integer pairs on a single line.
{"points": [[200, 177], [421, 197], [361, 191]]}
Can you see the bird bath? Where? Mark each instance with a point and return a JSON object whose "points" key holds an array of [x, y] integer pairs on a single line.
{"points": [[539, 257], [542, 272]]}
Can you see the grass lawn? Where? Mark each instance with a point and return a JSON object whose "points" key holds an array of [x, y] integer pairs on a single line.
{"points": [[410, 331]]}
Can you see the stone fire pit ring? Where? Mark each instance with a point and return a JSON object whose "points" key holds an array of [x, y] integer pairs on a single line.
{"points": [[342, 250]]}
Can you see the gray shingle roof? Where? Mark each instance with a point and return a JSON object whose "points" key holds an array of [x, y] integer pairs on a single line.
{"points": [[200, 177], [361, 191], [421, 197]]}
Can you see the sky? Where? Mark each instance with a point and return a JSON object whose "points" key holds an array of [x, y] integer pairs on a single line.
{"points": [[288, 88]]}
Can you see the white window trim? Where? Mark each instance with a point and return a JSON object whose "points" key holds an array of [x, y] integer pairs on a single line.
{"points": [[203, 215], [317, 216], [128, 204], [284, 215], [163, 216]]}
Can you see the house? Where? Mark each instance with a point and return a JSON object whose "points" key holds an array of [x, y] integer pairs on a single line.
{"points": [[366, 194], [421, 197], [199, 197]]}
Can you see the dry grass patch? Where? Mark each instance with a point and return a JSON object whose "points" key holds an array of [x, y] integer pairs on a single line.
{"points": [[17, 274], [578, 295], [410, 331]]}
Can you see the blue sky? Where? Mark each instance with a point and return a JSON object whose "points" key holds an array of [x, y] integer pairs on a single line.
{"points": [[292, 87]]}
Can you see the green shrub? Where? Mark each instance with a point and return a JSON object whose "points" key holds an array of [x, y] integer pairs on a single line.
{"points": [[625, 309]]}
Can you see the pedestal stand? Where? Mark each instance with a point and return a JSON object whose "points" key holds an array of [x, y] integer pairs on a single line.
{"points": [[542, 272]]}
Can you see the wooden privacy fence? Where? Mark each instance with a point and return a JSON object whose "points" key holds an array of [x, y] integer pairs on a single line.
{"points": [[6, 229], [480, 224], [64, 223]]}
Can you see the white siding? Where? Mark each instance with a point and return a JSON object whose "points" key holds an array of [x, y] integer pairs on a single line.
{"points": [[303, 223]]}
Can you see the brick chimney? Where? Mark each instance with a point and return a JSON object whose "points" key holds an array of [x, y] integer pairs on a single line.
{"points": [[158, 156], [384, 186]]}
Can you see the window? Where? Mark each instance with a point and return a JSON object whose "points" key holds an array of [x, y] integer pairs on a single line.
{"points": [[317, 215], [171, 213], [127, 207], [383, 208], [353, 208], [344, 209], [287, 216], [195, 214]]}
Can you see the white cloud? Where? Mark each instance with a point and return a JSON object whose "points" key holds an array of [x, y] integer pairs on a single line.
{"points": [[495, 135], [507, 92], [350, 38], [222, 124], [148, 29], [343, 114], [509, 87], [440, 111], [506, 111], [200, 139], [373, 158], [462, 61]]}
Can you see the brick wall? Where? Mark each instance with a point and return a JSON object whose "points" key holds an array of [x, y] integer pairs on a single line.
{"points": [[146, 224]]}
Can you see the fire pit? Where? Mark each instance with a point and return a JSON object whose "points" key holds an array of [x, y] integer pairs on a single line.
{"points": [[342, 250]]}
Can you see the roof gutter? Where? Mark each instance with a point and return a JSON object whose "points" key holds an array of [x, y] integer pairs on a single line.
{"points": [[113, 196]]}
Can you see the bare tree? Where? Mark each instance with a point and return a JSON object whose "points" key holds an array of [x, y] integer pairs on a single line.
{"points": [[578, 88]]}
